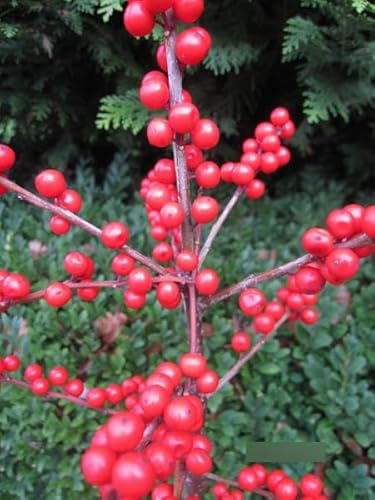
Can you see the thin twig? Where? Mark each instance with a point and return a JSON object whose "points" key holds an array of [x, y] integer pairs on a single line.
{"points": [[74, 219], [230, 482], [218, 225], [278, 272]]}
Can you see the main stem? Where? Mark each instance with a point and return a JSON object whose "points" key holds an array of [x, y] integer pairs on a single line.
{"points": [[184, 484]]}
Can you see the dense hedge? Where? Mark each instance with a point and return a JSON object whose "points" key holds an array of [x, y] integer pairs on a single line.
{"points": [[309, 384]]}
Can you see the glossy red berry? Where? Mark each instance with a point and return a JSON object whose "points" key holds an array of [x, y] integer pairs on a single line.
{"points": [[158, 6], [283, 156], [263, 129], [207, 282], [122, 264], [208, 175], [193, 45], [154, 94], [248, 479], [269, 163], [11, 363], [76, 264], [343, 263], [273, 478], [168, 294], [270, 143], [162, 491], [153, 400], [138, 20], [57, 294], [208, 382], [15, 286], [317, 241], [96, 465], [198, 462], [241, 342], [70, 200], [356, 211], [204, 209], [286, 489], [181, 414], [252, 301], [205, 134], [7, 158], [162, 252], [157, 196], [140, 280], [183, 117], [59, 225], [194, 156], [288, 130], [261, 473], [193, 365], [368, 221], [309, 280], [133, 475], [165, 171], [161, 57], [340, 224], [311, 485], [114, 235], [275, 309], [33, 372], [58, 375], [188, 11], [50, 183], [242, 174], [172, 215], [40, 386], [264, 323], [96, 397], [159, 132], [255, 189], [134, 300], [187, 260], [124, 431], [74, 387], [162, 460], [171, 370], [279, 116]]}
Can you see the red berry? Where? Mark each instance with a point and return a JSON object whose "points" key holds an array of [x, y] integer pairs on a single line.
{"points": [[250, 145], [219, 490], [208, 175], [122, 264], [162, 491], [226, 171], [180, 442], [255, 189], [114, 394], [161, 57], [40, 386], [205, 134], [311, 485], [288, 130], [58, 375], [273, 478], [193, 45], [198, 462], [50, 183], [76, 264], [96, 397], [207, 282], [242, 174], [153, 400], [162, 460], [261, 472], [157, 196], [356, 211], [59, 225], [164, 171], [252, 301], [124, 431], [15, 286], [162, 252], [317, 241], [171, 370], [286, 489], [269, 163], [168, 293], [193, 365], [158, 6], [368, 221], [57, 294], [241, 342], [208, 382], [33, 372], [283, 156], [194, 156], [183, 117], [279, 117], [248, 479], [264, 323], [275, 309], [343, 263], [133, 475], [204, 209], [138, 20], [187, 260], [96, 465], [70, 200], [264, 129], [7, 158], [154, 94], [270, 143], [251, 159], [309, 280], [159, 133], [89, 293], [140, 280], [295, 301], [11, 363], [202, 442], [74, 387], [115, 235], [188, 11], [134, 300], [181, 414], [172, 215], [340, 224]]}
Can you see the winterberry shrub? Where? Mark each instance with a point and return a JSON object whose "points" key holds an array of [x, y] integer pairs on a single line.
{"points": [[151, 442]]}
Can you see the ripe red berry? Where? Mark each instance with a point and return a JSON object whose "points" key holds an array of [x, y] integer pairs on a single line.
{"points": [[288, 130], [133, 475], [255, 189], [261, 473], [15, 286], [208, 382], [198, 462], [157, 196], [162, 460], [205, 134], [356, 211], [368, 221], [309, 280], [11, 363], [204, 209], [58, 375], [70, 200], [50, 183], [340, 224], [194, 156], [263, 129], [241, 342], [161, 57], [193, 45], [283, 156], [317, 241], [171, 370], [187, 260], [275, 309], [158, 6], [154, 94], [134, 300], [188, 11], [181, 414], [40, 386], [165, 171], [269, 163], [270, 143], [208, 175], [114, 394], [96, 465], [279, 117], [295, 301], [7, 158], [76, 264], [159, 133], [180, 442], [343, 263], [242, 174], [252, 301], [172, 215], [311, 485], [219, 490], [124, 431], [57, 294], [122, 264], [202, 442], [286, 489], [96, 397], [153, 400], [248, 479], [115, 235], [33, 372], [207, 282], [193, 365], [138, 20], [162, 491], [168, 294], [162, 252], [264, 323], [59, 225], [140, 280], [273, 478], [183, 117], [74, 387]]}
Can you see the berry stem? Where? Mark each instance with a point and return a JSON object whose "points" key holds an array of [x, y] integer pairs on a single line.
{"points": [[232, 372], [74, 219], [218, 225], [280, 271], [230, 482], [55, 395]]}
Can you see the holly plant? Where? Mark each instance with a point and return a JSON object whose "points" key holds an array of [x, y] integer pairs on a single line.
{"points": [[152, 442]]}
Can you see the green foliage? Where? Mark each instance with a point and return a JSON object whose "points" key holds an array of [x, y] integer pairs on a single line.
{"points": [[309, 383]]}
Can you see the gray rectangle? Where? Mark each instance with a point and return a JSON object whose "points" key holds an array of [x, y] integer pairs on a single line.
{"points": [[285, 452]]}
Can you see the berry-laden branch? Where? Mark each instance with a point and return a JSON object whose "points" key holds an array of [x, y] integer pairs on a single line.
{"points": [[223, 482]]}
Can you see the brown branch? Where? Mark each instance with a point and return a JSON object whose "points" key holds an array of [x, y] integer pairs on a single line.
{"points": [[218, 225], [230, 482], [280, 271], [232, 372], [74, 219], [55, 395]]}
